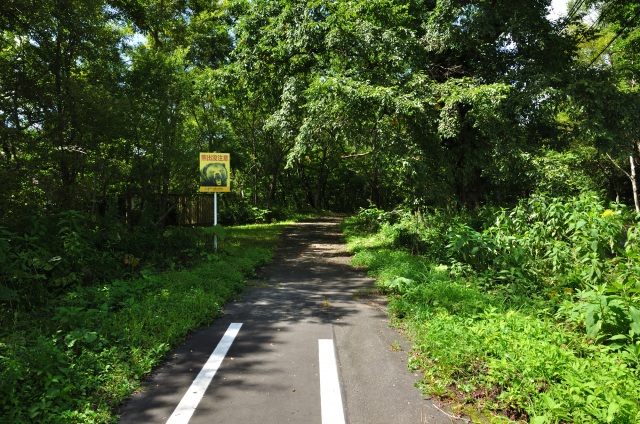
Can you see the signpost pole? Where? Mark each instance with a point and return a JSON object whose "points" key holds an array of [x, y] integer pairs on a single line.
{"points": [[215, 177], [215, 220]]}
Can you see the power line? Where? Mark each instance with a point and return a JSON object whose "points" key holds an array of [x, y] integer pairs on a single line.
{"points": [[603, 50], [603, 13], [618, 34], [574, 9], [606, 9]]}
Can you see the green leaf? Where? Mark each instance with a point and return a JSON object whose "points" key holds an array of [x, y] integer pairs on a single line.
{"points": [[593, 323], [90, 337], [7, 295], [618, 337], [542, 419], [593, 330], [635, 318], [613, 409]]}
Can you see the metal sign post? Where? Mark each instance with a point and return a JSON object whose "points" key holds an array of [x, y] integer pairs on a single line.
{"points": [[215, 220], [215, 177]]}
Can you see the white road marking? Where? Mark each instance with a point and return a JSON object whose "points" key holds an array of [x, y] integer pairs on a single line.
{"points": [[330, 397], [191, 399]]}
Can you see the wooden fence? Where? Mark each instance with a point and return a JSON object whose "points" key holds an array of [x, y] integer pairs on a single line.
{"points": [[194, 209]]}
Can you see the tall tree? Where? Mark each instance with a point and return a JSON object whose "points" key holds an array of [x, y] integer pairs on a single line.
{"points": [[498, 65], [60, 70], [607, 97]]}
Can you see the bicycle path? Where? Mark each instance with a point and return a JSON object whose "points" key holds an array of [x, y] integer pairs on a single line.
{"points": [[308, 302]]}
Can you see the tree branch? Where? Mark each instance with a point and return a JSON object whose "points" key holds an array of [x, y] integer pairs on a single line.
{"points": [[618, 166], [357, 155]]}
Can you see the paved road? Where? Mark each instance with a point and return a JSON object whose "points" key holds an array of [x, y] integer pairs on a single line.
{"points": [[270, 374]]}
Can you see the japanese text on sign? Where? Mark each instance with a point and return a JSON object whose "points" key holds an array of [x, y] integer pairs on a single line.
{"points": [[215, 172], [214, 157]]}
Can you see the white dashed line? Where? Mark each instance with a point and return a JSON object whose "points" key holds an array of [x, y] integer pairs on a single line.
{"points": [[191, 399], [330, 397]]}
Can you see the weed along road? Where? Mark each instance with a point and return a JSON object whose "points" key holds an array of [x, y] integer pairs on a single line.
{"points": [[306, 344]]}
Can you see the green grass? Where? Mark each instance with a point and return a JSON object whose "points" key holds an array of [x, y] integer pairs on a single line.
{"points": [[76, 359], [500, 358]]}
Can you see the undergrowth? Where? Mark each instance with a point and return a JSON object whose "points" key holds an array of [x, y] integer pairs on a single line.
{"points": [[529, 315], [77, 356]]}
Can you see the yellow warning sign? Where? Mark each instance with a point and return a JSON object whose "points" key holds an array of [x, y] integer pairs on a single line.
{"points": [[215, 172]]}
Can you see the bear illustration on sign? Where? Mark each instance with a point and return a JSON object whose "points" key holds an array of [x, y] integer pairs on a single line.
{"points": [[214, 174]]}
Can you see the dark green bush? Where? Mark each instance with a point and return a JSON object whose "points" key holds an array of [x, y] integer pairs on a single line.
{"points": [[84, 350], [55, 254], [369, 220]]}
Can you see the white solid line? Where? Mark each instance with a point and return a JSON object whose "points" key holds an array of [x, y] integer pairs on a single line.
{"points": [[191, 399], [330, 397]]}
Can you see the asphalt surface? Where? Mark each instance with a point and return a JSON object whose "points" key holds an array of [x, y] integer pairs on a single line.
{"points": [[270, 375]]}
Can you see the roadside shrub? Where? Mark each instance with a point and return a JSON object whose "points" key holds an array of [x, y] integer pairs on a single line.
{"points": [[610, 312], [547, 244], [534, 314], [436, 293], [57, 254], [418, 232], [564, 174], [369, 220], [83, 351], [240, 212], [387, 264], [405, 234]]}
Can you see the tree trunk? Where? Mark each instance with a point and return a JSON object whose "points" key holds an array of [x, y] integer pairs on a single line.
{"points": [[632, 175], [634, 182], [273, 184], [322, 176], [164, 203], [376, 198]]}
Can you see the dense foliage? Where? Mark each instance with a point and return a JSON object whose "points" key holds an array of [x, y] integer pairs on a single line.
{"points": [[77, 356], [105, 104], [532, 312]]}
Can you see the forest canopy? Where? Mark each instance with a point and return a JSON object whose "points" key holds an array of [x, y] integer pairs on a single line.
{"points": [[330, 105]]}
